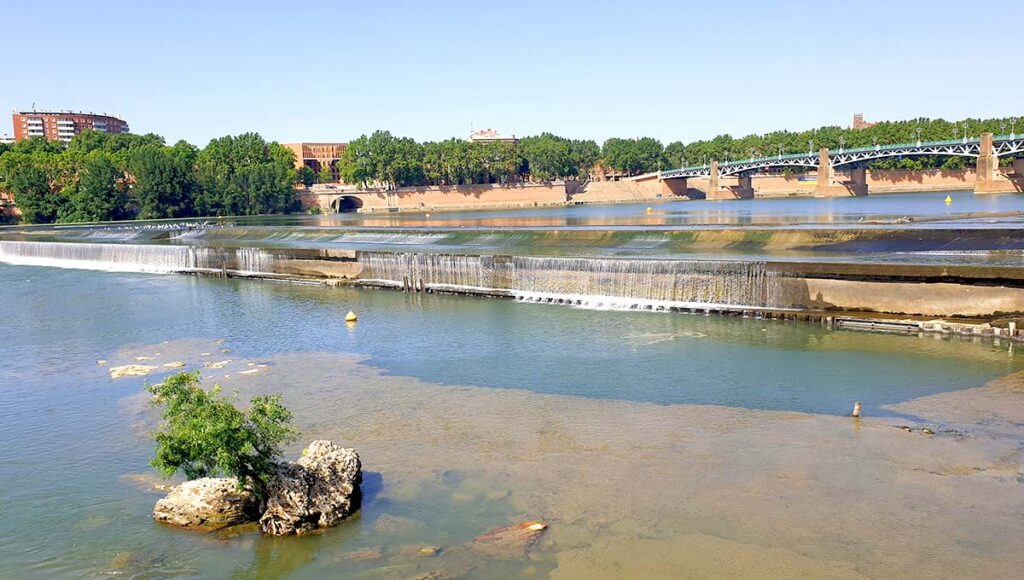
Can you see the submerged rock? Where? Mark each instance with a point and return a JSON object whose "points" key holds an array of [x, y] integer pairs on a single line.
{"points": [[362, 555], [210, 503], [510, 541], [317, 491], [130, 371], [217, 365]]}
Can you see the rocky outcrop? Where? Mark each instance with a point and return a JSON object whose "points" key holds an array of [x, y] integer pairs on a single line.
{"points": [[209, 503], [317, 491]]}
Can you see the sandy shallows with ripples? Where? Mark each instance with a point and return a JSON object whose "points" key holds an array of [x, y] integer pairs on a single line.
{"points": [[643, 490]]}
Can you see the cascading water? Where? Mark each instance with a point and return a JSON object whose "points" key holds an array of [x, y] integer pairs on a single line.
{"points": [[111, 257], [253, 261], [591, 282], [436, 270], [637, 283], [137, 257]]}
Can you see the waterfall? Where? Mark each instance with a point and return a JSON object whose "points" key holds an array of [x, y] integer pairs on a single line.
{"points": [[137, 257], [450, 271], [618, 283], [253, 261], [591, 282]]}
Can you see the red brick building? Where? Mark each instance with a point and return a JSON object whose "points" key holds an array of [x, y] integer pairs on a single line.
{"points": [[62, 125], [860, 123], [316, 156]]}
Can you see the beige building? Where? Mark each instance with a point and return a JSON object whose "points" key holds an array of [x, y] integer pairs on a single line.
{"points": [[316, 156], [490, 136]]}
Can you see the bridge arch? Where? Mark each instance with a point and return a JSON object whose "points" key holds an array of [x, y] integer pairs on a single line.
{"points": [[347, 203]]}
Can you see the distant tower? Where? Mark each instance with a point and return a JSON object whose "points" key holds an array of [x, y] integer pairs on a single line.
{"points": [[860, 123]]}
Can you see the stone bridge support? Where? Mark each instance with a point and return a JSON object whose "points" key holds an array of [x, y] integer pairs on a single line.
{"points": [[741, 190], [989, 178], [828, 186], [674, 187]]}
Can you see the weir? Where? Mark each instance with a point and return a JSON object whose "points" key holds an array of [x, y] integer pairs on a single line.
{"points": [[608, 281], [819, 290]]}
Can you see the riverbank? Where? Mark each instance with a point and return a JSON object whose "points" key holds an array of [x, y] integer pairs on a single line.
{"points": [[641, 189]]}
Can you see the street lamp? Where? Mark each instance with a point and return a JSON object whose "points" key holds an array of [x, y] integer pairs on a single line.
{"points": [[965, 131], [842, 143], [780, 150], [1013, 128], [682, 162], [918, 136], [874, 141], [810, 147]]}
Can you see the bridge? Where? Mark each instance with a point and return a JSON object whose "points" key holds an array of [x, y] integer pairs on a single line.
{"points": [[986, 150]]}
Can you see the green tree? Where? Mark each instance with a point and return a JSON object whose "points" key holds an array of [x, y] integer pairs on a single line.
{"points": [[204, 434], [326, 174], [675, 152], [547, 156], [245, 175], [583, 156], [163, 183], [99, 194], [633, 156], [33, 194]]}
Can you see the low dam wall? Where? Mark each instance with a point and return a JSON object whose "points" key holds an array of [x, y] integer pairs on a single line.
{"points": [[747, 287]]}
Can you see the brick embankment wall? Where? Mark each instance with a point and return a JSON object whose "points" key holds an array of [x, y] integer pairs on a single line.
{"points": [[442, 197], [620, 191], [895, 181]]}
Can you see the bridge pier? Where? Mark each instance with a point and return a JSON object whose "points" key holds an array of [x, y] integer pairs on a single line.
{"points": [[674, 187], [827, 185], [742, 190], [989, 179], [744, 187]]}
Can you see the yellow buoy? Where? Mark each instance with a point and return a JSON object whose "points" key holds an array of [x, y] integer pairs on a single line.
{"points": [[949, 199], [428, 215], [649, 210], [351, 317]]}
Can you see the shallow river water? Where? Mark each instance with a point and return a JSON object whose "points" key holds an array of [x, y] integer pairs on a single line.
{"points": [[654, 445]]}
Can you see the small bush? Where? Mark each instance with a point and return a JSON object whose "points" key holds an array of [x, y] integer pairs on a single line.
{"points": [[205, 435]]}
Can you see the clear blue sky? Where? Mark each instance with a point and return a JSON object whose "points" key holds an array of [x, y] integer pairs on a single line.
{"points": [[331, 70]]}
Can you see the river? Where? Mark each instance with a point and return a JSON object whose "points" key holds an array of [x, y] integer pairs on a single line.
{"points": [[651, 443]]}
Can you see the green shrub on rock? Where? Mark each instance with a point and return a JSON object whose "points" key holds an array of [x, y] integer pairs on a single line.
{"points": [[205, 435]]}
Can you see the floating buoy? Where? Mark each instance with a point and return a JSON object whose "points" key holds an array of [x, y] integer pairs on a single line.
{"points": [[428, 215], [949, 199], [649, 210], [856, 409], [351, 317]]}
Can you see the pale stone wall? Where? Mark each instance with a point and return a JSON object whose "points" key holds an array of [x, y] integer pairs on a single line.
{"points": [[620, 191], [938, 299], [445, 197], [900, 180]]}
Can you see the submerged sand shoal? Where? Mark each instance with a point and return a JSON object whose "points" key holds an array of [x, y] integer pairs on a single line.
{"points": [[642, 490]]}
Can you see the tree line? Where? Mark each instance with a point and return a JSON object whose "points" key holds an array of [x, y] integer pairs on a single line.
{"points": [[725, 147], [383, 160], [100, 177]]}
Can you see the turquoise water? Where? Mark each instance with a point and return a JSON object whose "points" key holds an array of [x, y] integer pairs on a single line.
{"points": [[70, 433]]}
